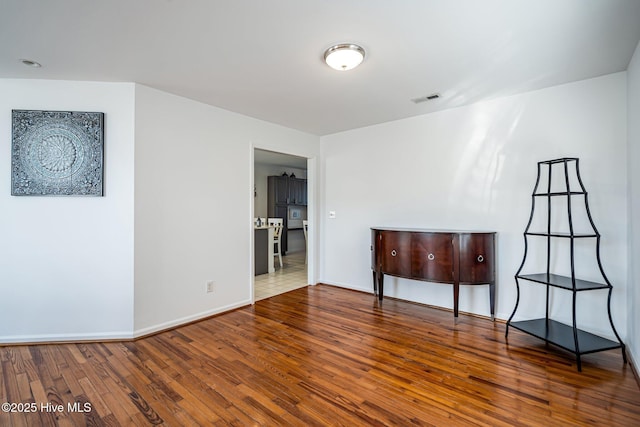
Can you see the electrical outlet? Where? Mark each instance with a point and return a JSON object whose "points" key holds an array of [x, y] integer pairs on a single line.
{"points": [[209, 286]]}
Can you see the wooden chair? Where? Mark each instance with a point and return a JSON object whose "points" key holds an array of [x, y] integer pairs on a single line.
{"points": [[277, 224], [305, 227]]}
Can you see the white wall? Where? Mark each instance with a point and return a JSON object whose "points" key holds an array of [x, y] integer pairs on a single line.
{"points": [[475, 168], [66, 263], [194, 205], [633, 123]]}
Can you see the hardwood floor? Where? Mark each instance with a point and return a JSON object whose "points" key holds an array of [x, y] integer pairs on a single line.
{"points": [[320, 356]]}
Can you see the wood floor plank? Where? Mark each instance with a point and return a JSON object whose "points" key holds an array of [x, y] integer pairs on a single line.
{"points": [[10, 383], [320, 356], [118, 408]]}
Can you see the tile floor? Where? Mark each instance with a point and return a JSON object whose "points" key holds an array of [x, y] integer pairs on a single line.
{"points": [[292, 275]]}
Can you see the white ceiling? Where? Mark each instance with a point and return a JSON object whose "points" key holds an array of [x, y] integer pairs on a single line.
{"points": [[265, 157], [264, 58]]}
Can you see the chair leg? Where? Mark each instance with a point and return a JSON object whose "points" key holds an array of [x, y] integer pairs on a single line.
{"points": [[279, 254]]}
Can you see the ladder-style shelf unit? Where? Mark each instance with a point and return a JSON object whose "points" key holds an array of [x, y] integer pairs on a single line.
{"points": [[568, 337]]}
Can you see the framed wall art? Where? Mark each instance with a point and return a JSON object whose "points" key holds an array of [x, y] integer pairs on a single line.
{"points": [[57, 153]]}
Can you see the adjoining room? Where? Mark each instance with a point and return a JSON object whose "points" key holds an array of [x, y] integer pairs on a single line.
{"points": [[280, 195]]}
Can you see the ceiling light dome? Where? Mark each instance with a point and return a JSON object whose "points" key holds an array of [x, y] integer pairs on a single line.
{"points": [[343, 57]]}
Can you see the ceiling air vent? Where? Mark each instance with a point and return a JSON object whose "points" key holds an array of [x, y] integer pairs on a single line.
{"points": [[426, 98]]}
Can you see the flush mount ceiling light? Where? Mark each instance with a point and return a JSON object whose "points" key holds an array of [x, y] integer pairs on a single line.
{"points": [[30, 63], [343, 57]]}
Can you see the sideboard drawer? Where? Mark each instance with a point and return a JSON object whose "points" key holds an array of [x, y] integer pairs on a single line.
{"points": [[396, 253], [477, 258], [432, 257]]}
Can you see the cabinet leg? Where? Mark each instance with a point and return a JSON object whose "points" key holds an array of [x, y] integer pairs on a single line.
{"points": [[456, 294], [492, 300], [375, 283], [380, 285]]}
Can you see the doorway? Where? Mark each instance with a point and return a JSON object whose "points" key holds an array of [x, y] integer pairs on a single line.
{"points": [[287, 175]]}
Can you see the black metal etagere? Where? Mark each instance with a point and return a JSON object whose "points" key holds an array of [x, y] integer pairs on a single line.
{"points": [[570, 338]]}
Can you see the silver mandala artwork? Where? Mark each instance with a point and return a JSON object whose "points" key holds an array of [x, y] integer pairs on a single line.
{"points": [[57, 153]]}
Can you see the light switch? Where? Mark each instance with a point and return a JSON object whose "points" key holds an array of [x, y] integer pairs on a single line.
{"points": [[332, 214]]}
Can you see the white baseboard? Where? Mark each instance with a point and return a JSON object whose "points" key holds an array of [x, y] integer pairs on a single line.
{"points": [[60, 338], [368, 289], [632, 363], [187, 319], [115, 335]]}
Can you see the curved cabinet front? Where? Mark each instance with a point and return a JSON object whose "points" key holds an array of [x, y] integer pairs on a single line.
{"points": [[455, 257], [477, 258], [395, 253], [431, 257]]}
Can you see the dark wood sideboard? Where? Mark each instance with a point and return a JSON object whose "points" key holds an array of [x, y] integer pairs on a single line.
{"points": [[441, 256]]}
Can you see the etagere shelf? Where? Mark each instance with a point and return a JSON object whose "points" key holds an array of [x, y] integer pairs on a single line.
{"points": [[568, 337]]}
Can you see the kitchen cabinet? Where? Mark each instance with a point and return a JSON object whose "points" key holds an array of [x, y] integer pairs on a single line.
{"points": [[297, 191], [283, 192]]}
